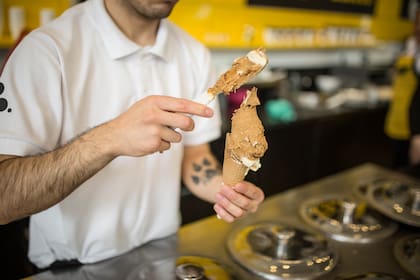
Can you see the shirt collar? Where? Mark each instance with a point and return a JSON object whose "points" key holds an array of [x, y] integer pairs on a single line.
{"points": [[117, 44]]}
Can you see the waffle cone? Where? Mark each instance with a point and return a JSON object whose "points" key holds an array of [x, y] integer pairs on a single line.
{"points": [[233, 172]]}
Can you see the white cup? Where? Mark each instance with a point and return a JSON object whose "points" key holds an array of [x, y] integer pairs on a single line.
{"points": [[17, 21], [46, 15]]}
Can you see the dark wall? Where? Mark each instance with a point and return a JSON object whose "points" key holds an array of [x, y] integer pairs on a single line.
{"points": [[13, 251]]}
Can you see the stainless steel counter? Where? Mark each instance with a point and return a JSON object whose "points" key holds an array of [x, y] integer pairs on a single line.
{"points": [[207, 237]]}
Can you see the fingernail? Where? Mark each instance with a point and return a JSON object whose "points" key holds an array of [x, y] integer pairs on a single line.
{"points": [[208, 112], [218, 217]]}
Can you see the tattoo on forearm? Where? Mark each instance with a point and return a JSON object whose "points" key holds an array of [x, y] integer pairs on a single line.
{"points": [[205, 171]]}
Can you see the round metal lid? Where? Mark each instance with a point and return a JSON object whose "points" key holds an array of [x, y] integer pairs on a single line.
{"points": [[395, 199], [182, 268], [276, 251], [346, 219], [370, 276], [407, 253]]}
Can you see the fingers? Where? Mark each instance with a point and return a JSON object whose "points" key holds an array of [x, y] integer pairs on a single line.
{"points": [[176, 120], [253, 193], [235, 203], [229, 206], [169, 135], [223, 214], [176, 112], [164, 145], [184, 106], [152, 124]]}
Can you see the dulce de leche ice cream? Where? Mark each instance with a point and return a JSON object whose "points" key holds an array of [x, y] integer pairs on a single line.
{"points": [[246, 143], [242, 70]]}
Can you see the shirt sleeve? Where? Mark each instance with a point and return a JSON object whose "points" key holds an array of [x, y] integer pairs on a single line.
{"points": [[31, 113]]}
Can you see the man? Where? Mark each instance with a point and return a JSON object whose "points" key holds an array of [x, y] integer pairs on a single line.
{"points": [[414, 152], [401, 123], [98, 128]]}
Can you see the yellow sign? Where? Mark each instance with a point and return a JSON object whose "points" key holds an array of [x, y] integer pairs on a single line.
{"points": [[236, 24]]}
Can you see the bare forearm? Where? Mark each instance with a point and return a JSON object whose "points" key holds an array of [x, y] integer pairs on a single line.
{"points": [[202, 174], [32, 184]]}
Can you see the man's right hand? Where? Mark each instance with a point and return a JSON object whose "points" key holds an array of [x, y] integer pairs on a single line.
{"points": [[150, 124]]}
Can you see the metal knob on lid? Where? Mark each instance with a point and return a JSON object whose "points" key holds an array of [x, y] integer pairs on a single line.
{"points": [[277, 243], [182, 268], [276, 251], [349, 208], [189, 271], [283, 243]]}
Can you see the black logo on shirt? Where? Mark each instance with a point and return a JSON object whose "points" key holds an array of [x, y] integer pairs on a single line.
{"points": [[3, 101]]}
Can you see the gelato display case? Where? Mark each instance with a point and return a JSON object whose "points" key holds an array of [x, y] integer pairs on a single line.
{"points": [[276, 242]]}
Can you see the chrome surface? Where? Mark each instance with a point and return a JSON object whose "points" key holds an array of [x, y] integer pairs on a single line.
{"points": [[181, 268], [208, 237], [371, 276], [346, 218], [397, 199], [407, 253], [277, 251], [189, 271]]}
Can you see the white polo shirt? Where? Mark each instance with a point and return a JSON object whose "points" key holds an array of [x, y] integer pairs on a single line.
{"points": [[80, 71]]}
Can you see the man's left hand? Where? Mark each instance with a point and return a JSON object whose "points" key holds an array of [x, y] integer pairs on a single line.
{"points": [[238, 201]]}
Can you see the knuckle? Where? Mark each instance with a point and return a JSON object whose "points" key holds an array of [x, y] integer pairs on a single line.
{"points": [[228, 218], [262, 196], [184, 105], [240, 213], [238, 199], [149, 117], [181, 105], [152, 99], [155, 143], [253, 208], [235, 210], [166, 146], [155, 131], [246, 204], [179, 137], [187, 123], [224, 202]]}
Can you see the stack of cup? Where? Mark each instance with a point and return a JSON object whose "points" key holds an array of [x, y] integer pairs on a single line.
{"points": [[17, 21], [46, 15]]}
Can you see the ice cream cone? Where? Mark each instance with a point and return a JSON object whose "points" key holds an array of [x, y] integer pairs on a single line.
{"points": [[233, 171], [246, 143]]}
